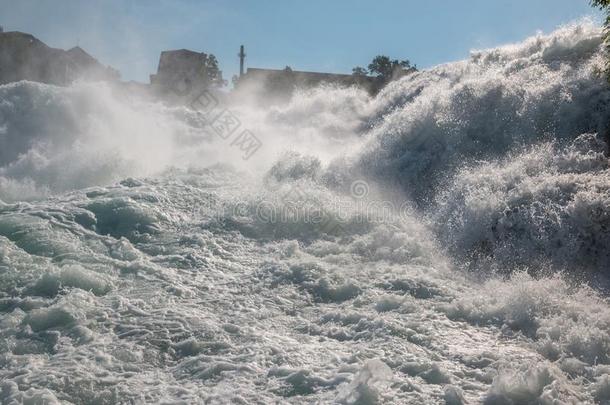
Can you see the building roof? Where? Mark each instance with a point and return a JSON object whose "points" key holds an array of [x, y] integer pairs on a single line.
{"points": [[80, 56], [181, 53], [24, 57]]}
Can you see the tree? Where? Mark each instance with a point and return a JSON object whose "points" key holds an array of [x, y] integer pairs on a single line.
{"points": [[604, 5], [359, 71], [387, 69], [213, 72], [600, 3]]}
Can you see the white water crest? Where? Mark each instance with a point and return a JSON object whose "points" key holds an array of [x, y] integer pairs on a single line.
{"points": [[446, 241]]}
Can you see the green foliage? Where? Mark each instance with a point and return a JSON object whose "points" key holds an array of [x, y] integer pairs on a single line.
{"points": [[600, 3], [605, 6], [213, 72], [359, 71], [387, 69]]}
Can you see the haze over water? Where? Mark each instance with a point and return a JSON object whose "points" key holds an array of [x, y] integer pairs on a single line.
{"points": [[445, 240]]}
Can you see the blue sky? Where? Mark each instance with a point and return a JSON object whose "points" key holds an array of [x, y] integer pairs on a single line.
{"points": [[315, 35]]}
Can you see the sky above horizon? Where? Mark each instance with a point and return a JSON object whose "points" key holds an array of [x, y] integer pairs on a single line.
{"points": [[317, 35]]}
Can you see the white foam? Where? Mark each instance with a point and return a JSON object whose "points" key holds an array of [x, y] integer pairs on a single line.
{"points": [[136, 266]]}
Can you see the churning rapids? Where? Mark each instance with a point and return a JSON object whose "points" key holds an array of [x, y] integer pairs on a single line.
{"points": [[445, 241]]}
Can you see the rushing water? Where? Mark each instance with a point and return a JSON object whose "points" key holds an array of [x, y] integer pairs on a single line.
{"points": [[445, 241]]}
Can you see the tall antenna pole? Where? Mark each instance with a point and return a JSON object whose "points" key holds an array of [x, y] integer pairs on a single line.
{"points": [[242, 57]]}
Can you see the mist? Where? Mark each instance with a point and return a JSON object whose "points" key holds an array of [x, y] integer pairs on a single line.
{"points": [[441, 240]]}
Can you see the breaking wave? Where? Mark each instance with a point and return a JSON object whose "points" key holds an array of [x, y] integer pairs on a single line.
{"points": [[446, 240]]}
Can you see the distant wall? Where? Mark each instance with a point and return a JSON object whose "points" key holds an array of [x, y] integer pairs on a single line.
{"points": [[275, 83]]}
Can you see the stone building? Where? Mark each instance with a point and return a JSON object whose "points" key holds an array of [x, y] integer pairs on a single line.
{"points": [[182, 73], [279, 84], [24, 57], [304, 79]]}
